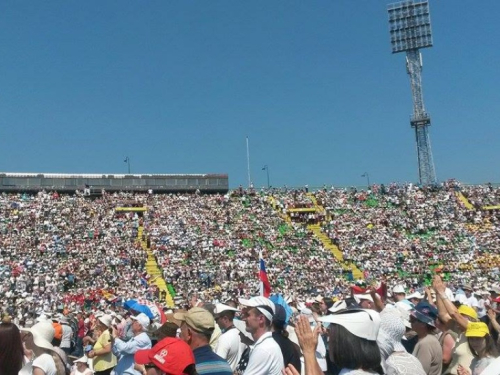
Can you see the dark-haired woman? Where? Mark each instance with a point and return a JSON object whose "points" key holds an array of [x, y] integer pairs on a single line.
{"points": [[353, 354], [353, 346], [482, 346], [11, 348]]}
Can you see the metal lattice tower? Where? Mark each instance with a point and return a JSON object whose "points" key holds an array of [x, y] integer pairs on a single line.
{"points": [[410, 28]]}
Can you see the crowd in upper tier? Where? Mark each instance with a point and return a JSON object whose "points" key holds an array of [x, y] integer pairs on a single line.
{"points": [[67, 249]]}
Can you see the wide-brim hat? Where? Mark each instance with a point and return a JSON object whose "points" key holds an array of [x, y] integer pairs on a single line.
{"points": [[363, 323], [467, 287], [43, 334], [425, 313], [338, 306], [106, 320], [416, 295], [366, 296], [197, 318]]}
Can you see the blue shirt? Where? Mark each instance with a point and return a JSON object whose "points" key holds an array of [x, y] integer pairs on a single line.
{"points": [[125, 351], [207, 362]]}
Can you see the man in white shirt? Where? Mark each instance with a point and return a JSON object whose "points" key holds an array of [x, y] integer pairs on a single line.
{"points": [[229, 345], [471, 300], [265, 355], [67, 333]]}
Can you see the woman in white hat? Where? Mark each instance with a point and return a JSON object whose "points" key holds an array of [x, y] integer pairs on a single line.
{"points": [[45, 361], [81, 367], [104, 359]]}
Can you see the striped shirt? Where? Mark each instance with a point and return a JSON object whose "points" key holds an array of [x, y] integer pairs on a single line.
{"points": [[207, 362]]}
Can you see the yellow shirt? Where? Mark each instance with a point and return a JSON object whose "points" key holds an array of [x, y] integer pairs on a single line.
{"points": [[105, 361]]}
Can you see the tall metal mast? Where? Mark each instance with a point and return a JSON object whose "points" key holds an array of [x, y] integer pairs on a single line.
{"points": [[410, 29]]}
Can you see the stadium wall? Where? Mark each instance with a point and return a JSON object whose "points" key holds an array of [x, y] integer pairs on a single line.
{"points": [[69, 183]]}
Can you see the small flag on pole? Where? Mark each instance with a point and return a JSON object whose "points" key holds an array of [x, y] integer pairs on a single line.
{"points": [[265, 286]]}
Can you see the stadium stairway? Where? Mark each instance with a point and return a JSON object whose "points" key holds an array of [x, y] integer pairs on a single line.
{"points": [[327, 243], [464, 200], [154, 271], [320, 235]]}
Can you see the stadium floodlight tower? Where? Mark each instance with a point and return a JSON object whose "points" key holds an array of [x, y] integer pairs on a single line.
{"points": [[410, 28]]}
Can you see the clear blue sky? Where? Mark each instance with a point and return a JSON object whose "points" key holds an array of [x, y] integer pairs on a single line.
{"points": [[178, 85]]}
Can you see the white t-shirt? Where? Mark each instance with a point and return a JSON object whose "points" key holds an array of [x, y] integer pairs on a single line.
{"points": [[472, 302], [265, 357], [493, 368], [67, 332], [481, 310], [230, 347], [46, 363]]}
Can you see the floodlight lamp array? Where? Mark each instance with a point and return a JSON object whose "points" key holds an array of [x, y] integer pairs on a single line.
{"points": [[410, 26]]}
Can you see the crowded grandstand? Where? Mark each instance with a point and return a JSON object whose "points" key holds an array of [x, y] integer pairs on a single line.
{"points": [[78, 257]]}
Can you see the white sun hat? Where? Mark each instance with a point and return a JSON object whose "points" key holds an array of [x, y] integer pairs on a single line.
{"points": [[43, 334], [338, 306], [106, 320], [362, 323], [398, 289]]}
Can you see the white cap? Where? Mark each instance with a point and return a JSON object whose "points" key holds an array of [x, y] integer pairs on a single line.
{"points": [[83, 359], [308, 314], [142, 319], [359, 297], [360, 322], [263, 304], [220, 307], [415, 295], [399, 289]]}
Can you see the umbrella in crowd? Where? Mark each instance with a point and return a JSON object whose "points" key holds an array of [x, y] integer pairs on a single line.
{"points": [[156, 309], [128, 304], [279, 300], [142, 309]]}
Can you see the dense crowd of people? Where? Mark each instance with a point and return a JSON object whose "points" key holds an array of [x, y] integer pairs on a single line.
{"points": [[376, 331], [70, 262], [405, 231]]}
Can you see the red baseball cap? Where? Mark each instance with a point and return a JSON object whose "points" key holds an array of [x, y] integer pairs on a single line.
{"points": [[170, 355]]}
